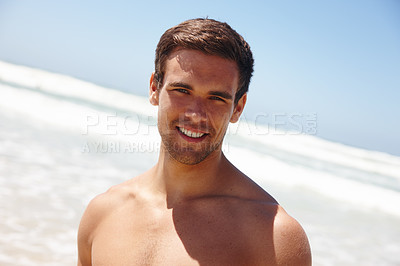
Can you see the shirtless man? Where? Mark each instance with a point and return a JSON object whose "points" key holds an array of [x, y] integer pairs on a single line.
{"points": [[193, 207]]}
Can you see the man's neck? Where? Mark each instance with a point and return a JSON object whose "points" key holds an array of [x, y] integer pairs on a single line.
{"points": [[180, 182]]}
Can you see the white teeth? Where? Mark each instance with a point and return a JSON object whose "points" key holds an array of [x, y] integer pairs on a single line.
{"points": [[190, 133]]}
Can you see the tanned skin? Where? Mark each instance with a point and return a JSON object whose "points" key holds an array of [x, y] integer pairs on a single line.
{"points": [[193, 207]]}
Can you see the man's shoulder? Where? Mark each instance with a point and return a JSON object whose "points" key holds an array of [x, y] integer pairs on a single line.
{"points": [[104, 204], [272, 229], [97, 211], [272, 226], [290, 240], [115, 196]]}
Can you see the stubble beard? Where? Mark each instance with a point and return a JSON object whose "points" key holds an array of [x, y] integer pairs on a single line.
{"points": [[186, 152]]}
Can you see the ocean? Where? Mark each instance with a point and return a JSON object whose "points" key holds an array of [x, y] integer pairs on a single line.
{"points": [[63, 141]]}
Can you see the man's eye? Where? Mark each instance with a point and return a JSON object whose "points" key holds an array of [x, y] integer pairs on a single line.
{"points": [[182, 90], [217, 98]]}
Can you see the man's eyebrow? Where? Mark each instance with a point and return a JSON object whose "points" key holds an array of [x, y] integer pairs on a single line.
{"points": [[180, 85], [221, 94]]}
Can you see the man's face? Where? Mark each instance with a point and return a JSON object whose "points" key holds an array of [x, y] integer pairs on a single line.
{"points": [[196, 104]]}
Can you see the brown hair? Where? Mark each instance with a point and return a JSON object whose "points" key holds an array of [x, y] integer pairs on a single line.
{"points": [[211, 37]]}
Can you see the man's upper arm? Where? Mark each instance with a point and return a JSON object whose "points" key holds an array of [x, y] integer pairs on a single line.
{"points": [[290, 242], [90, 220]]}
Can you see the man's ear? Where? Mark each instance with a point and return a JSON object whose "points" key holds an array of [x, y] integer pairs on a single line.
{"points": [[154, 93], [238, 109]]}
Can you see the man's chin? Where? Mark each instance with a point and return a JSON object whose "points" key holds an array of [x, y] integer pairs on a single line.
{"points": [[189, 153], [189, 159]]}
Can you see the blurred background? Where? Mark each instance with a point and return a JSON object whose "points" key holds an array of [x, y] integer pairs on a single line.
{"points": [[319, 131]]}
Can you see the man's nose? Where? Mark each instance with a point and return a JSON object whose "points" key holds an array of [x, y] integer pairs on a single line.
{"points": [[196, 111]]}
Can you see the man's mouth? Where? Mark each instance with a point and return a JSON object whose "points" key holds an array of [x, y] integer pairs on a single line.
{"points": [[191, 134]]}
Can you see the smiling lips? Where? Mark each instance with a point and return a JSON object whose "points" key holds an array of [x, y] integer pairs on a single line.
{"points": [[191, 134]]}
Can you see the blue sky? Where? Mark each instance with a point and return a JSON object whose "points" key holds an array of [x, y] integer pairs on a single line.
{"points": [[337, 59]]}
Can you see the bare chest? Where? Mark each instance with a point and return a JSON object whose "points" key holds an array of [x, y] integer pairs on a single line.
{"points": [[174, 238]]}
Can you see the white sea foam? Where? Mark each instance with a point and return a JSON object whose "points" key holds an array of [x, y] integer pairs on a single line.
{"points": [[69, 87], [319, 149]]}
